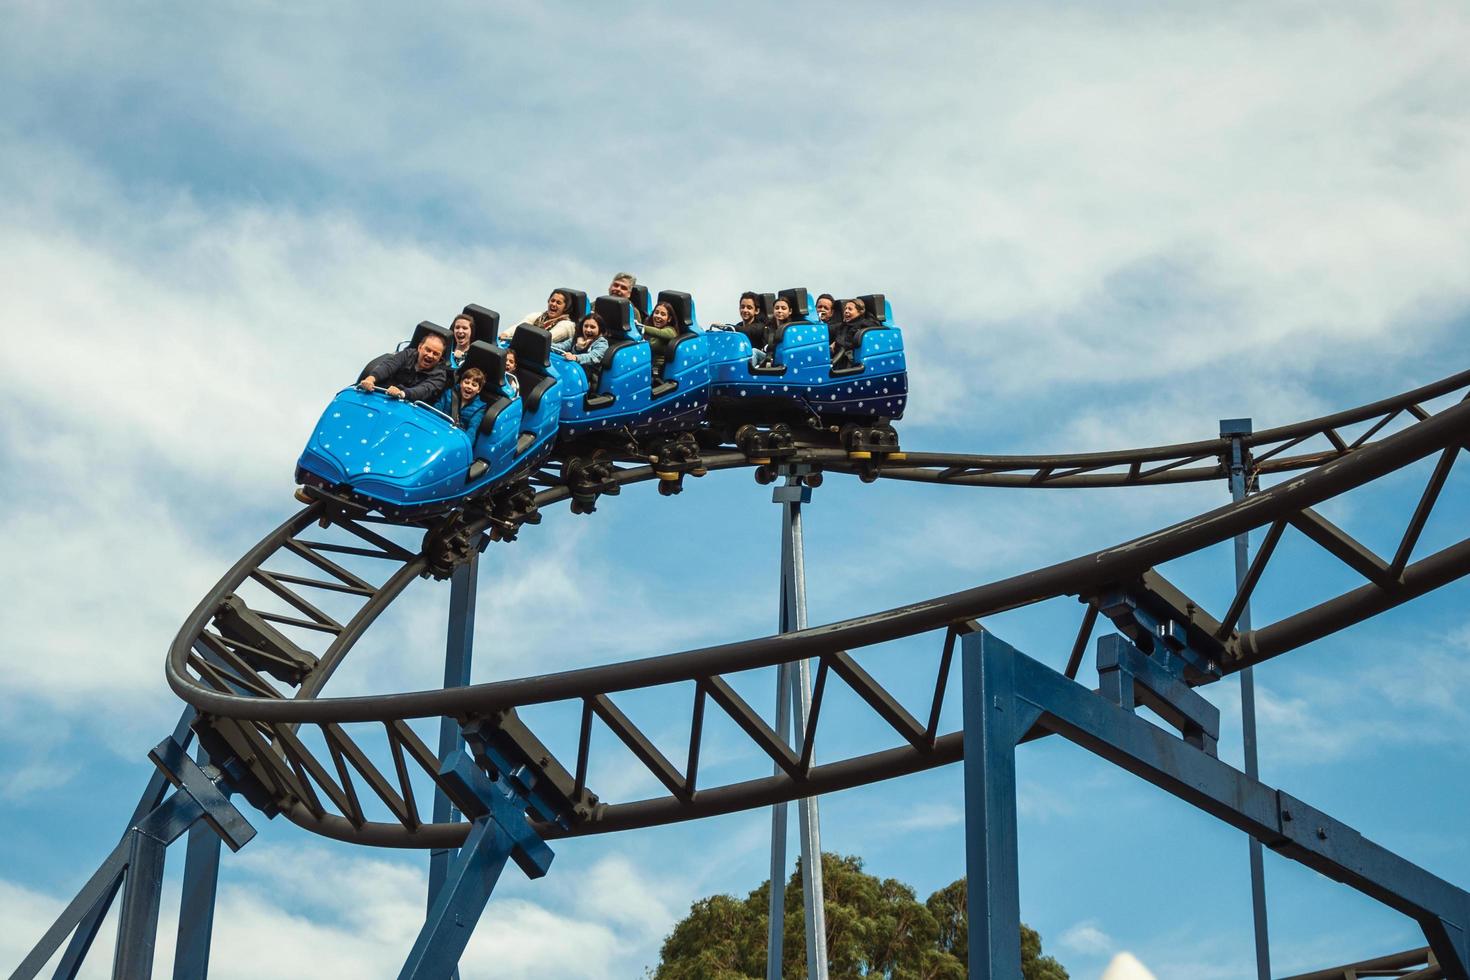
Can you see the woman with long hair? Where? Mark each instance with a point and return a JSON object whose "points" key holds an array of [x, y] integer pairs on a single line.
{"points": [[555, 319], [660, 330]]}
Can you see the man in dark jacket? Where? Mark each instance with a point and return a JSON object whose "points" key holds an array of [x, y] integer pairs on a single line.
{"points": [[415, 373]]}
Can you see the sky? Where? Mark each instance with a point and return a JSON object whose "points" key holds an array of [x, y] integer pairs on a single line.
{"points": [[1098, 228]]}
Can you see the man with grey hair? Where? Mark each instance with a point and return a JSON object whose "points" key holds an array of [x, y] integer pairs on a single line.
{"points": [[622, 287]]}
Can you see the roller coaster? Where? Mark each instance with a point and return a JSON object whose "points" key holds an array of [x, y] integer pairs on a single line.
{"points": [[253, 659]]}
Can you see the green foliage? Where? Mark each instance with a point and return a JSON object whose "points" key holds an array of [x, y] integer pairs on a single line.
{"points": [[875, 928]]}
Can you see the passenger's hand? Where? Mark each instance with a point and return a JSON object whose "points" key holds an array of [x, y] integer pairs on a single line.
{"points": [[395, 392], [368, 384], [570, 357]]}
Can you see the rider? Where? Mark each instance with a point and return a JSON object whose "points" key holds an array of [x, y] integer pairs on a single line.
{"points": [[416, 374], [463, 403], [622, 287]]}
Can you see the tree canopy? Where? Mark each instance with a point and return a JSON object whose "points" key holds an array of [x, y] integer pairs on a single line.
{"points": [[875, 928]]}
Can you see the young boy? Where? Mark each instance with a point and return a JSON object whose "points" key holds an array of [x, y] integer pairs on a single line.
{"points": [[463, 403]]}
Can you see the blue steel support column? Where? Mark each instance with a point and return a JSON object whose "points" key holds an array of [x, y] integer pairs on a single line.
{"points": [[86, 930], [198, 797], [137, 923], [1234, 429], [500, 831], [458, 651], [137, 861], [994, 719], [1286, 824], [196, 903], [457, 907]]}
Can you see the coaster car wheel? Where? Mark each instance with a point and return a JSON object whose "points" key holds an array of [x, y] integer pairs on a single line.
{"points": [[748, 440]]}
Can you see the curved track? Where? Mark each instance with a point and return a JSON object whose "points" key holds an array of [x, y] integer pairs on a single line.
{"points": [[260, 697]]}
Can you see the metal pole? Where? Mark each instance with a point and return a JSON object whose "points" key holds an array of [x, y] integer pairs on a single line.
{"points": [[776, 909], [801, 701], [196, 904], [793, 702], [137, 924], [776, 900], [992, 869], [1234, 430], [458, 651]]}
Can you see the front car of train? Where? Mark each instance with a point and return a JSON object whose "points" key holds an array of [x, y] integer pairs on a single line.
{"points": [[409, 460]]}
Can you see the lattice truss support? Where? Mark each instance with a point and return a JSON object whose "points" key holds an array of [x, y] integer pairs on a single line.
{"points": [[258, 650], [1008, 698], [198, 806]]}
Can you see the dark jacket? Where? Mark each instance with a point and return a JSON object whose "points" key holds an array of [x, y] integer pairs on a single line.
{"points": [[770, 334], [402, 369], [755, 330], [845, 334], [467, 417]]}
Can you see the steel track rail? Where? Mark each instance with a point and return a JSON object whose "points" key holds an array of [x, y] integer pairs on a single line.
{"points": [[1172, 464], [261, 726]]}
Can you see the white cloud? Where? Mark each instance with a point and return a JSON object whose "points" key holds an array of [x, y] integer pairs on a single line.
{"points": [[1087, 938], [1039, 801], [28, 914], [1125, 966], [929, 816], [619, 892], [1386, 696], [327, 914], [1099, 228], [1103, 206]]}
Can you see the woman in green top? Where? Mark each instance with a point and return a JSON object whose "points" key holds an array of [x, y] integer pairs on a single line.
{"points": [[660, 331]]}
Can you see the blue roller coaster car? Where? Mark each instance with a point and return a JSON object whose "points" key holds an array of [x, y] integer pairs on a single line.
{"points": [[407, 459], [621, 393], [800, 382]]}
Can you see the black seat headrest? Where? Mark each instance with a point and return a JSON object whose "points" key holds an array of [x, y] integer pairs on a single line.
{"points": [[486, 322], [640, 299], [616, 315], [532, 346], [427, 327], [683, 305], [877, 306], [796, 298], [577, 305], [490, 359], [765, 304]]}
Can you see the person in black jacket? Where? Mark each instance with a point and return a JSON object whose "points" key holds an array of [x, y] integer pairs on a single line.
{"points": [[763, 348], [844, 335], [826, 308], [752, 324], [415, 373]]}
